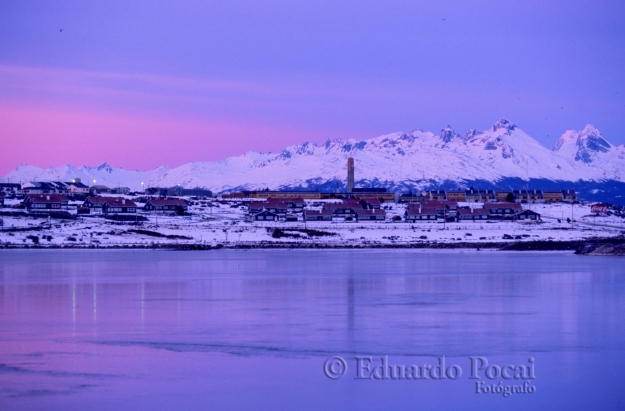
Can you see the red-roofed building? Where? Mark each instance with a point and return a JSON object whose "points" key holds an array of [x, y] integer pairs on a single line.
{"points": [[502, 211], [119, 206], [37, 203], [314, 215], [371, 215], [166, 205], [475, 214], [420, 214]]}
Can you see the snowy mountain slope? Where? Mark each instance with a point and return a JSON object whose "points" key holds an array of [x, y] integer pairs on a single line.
{"points": [[503, 151]]}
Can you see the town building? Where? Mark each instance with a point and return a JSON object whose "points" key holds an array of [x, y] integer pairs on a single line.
{"points": [[475, 214], [45, 203], [166, 205], [266, 216], [527, 215], [318, 215], [420, 214], [371, 215], [99, 189], [77, 187], [502, 211]]}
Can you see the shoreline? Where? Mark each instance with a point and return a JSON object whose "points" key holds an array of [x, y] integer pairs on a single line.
{"points": [[536, 245]]}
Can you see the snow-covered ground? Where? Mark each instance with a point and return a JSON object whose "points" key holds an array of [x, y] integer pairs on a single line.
{"points": [[213, 222]]}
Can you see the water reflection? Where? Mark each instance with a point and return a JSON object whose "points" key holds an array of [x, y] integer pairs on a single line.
{"points": [[143, 318]]}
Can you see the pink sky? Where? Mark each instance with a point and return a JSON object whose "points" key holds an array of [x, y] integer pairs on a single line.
{"points": [[199, 81], [51, 137]]}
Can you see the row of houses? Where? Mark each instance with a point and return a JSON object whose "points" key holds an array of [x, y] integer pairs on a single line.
{"points": [[370, 210], [77, 187], [492, 196], [119, 205], [288, 209], [447, 210], [55, 187], [46, 203], [358, 193], [74, 187]]}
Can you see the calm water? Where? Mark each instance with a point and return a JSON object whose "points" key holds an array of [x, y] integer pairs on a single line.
{"points": [[252, 330]]}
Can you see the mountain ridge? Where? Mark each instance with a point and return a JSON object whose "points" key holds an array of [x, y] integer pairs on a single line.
{"points": [[402, 159]]}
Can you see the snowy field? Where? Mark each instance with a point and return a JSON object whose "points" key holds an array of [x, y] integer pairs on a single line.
{"points": [[222, 222]]}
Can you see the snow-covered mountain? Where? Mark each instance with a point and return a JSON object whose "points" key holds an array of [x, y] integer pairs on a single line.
{"points": [[417, 159]]}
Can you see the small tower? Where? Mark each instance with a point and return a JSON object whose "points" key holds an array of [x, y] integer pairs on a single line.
{"points": [[350, 175]]}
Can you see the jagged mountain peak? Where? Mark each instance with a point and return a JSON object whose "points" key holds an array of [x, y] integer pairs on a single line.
{"points": [[591, 137], [502, 123], [566, 140], [448, 134], [471, 133], [590, 142], [584, 145], [105, 167]]}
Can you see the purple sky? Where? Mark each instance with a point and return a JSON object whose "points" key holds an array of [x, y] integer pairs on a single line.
{"points": [[140, 84]]}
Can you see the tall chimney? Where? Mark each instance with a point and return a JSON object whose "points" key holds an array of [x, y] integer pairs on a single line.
{"points": [[350, 175]]}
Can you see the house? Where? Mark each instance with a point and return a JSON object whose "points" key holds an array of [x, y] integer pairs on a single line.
{"points": [[94, 204], [342, 209], [569, 196], [278, 207], [371, 215], [553, 196], [526, 215], [436, 195], [412, 197], [38, 203], [266, 216], [502, 211], [282, 194], [121, 190], [290, 218], [166, 205], [156, 191], [535, 196], [420, 214], [456, 195], [475, 214], [295, 204], [528, 196], [443, 207], [363, 193], [118, 205], [99, 189], [314, 215], [109, 205], [256, 207], [472, 196], [76, 187], [38, 187], [487, 196], [502, 196]]}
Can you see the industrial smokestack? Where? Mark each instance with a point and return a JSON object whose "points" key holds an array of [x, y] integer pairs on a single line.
{"points": [[350, 175]]}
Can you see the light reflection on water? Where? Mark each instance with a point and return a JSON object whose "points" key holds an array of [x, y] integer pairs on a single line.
{"points": [[234, 329]]}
